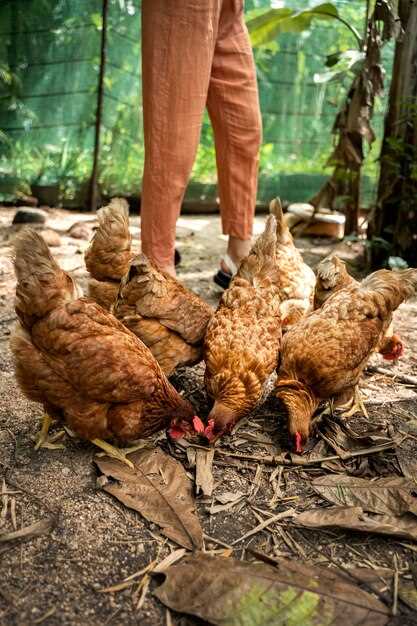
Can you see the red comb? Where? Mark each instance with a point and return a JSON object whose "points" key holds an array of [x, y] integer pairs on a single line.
{"points": [[298, 443], [198, 424]]}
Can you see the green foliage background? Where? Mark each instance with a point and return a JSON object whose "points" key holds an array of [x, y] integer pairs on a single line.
{"points": [[49, 63]]}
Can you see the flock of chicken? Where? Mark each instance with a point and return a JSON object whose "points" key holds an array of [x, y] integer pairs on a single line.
{"points": [[102, 363]]}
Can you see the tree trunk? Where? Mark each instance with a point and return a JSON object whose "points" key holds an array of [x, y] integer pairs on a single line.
{"points": [[393, 226]]}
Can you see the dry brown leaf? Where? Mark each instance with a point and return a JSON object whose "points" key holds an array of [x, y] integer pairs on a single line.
{"points": [[229, 496], [407, 591], [228, 592], [27, 532], [408, 463], [165, 499], [391, 495], [204, 474], [340, 435], [355, 518]]}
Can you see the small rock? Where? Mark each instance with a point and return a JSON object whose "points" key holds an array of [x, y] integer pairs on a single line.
{"points": [[27, 201], [66, 471], [26, 215], [51, 237], [80, 230]]}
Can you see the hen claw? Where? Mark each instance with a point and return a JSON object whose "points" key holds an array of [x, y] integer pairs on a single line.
{"points": [[114, 452], [42, 436], [357, 406]]}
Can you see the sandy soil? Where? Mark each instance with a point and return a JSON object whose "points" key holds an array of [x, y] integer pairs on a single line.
{"points": [[94, 542]]}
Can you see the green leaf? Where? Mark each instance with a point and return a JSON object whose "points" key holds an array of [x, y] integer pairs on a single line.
{"points": [[97, 20], [265, 27]]}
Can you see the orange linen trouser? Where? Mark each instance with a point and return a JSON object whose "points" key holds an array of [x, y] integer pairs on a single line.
{"points": [[197, 53]]}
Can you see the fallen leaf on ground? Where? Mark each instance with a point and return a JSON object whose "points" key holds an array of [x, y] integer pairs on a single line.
{"points": [[158, 489], [408, 463], [391, 495], [227, 500], [27, 532], [355, 518], [341, 436], [203, 473], [408, 593], [227, 592], [229, 496]]}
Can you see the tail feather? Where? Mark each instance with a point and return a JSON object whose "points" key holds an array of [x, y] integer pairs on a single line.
{"points": [[109, 253], [275, 209], [389, 289], [41, 284], [261, 260]]}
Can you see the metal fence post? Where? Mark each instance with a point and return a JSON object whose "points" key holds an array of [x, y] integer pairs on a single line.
{"points": [[94, 191]]}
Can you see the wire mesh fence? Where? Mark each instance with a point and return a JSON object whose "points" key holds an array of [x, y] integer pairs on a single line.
{"points": [[51, 62]]}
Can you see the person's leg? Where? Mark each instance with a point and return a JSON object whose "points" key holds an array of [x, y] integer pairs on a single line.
{"points": [[178, 38], [233, 105]]}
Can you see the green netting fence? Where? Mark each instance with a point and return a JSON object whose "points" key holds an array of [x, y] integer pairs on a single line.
{"points": [[50, 60]]}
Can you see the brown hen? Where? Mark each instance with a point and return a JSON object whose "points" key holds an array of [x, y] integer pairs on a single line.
{"points": [[108, 257], [332, 276], [167, 317], [80, 362], [242, 343], [296, 279], [324, 355]]}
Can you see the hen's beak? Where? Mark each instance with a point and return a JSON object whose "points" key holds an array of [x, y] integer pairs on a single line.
{"points": [[210, 432]]}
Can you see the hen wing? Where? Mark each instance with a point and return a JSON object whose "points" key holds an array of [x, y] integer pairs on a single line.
{"points": [[96, 354], [158, 296]]}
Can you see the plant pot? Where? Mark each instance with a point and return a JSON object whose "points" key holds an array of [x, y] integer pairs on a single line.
{"points": [[47, 195]]}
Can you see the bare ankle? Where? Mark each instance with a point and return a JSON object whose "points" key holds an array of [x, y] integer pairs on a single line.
{"points": [[169, 269], [238, 249]]}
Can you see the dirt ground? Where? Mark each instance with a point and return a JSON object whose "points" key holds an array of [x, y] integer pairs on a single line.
{"points": [[95, 542]]}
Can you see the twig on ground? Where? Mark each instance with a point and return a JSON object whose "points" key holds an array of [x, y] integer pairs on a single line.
{"points": [[402, 378], [217, 541], [13, 512], [168, 618], [34, 530], [45, 616], [265, 524], [143, 589], [395, 587], [300, 461]]}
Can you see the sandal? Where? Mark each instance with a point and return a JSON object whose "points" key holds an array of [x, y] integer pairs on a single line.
{"points": [[223, 278]]}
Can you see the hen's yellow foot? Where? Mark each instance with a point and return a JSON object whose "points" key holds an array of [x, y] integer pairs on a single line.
{"points": [[357, 405], [42, 436], [114, 452]]}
